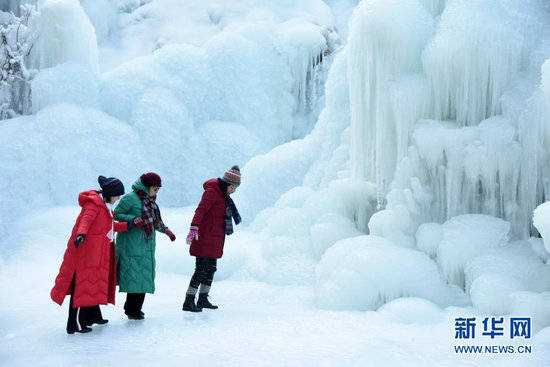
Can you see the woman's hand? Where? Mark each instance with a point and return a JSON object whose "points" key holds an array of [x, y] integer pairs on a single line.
{"points": [[79, 239], [193, 235], [135, 223], [138, 222], [170, 234]]}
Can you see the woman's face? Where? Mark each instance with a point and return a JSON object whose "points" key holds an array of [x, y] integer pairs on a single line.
{"points": [[231, 189], [114, 199], [153, 190]]}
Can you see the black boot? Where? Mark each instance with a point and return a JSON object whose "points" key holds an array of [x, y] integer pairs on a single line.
{"points": [[189, 304], [203, 302], [92, 315], [83, 329], [132, 307], [135, 316]]}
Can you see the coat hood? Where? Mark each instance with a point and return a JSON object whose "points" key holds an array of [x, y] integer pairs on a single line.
{"points": [[138, 185], [212, 184], [90, 196]]}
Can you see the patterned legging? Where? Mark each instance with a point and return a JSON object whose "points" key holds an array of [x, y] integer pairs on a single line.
{"points": [[204, 274]]}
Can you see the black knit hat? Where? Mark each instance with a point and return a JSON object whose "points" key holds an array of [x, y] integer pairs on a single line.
{"points": [[110, 186]]}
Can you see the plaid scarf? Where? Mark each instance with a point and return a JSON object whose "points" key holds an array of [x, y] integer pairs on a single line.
{"points": [[230, 212], [150, 213]]}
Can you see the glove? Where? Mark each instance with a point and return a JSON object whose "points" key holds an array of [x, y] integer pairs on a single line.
{"points": [[170, 234], [193, 235], [138, 222], [135, 223], [79, 239]]}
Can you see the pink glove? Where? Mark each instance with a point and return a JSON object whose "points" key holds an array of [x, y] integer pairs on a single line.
{"points": [[193, 234]]}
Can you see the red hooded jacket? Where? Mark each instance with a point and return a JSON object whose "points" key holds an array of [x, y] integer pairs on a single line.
{"points": [[92, 264], [209, 217]]}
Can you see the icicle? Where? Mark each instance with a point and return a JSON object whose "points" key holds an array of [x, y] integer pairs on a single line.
{"points": [[66, 34], [473, 57], [307, 45], [386, 40]]}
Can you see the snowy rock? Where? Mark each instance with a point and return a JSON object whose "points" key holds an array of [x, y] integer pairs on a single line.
{"points": [[363, 273], [466, 237], [491, 293], [415, 311], [541, 220], [428, 238], [534, 305], [516, 260], [329, 229], [69, 83]]}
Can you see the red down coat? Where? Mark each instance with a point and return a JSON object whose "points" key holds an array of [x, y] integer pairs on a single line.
{"points": [[92, 264], [209, 217]]}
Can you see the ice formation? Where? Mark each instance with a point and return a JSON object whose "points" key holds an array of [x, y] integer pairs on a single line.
{"points": [[197, 93], [66, 34], [365, 272], [420, 174], [448, 115], [471, 157]]}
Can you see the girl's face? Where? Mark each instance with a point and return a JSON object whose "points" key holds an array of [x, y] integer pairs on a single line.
{"points": [[114, 199], [153, 190], [231, 189]]}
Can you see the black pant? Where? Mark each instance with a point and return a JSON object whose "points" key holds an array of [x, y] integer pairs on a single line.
{"points": [[82, 316], [134, 303], [204, 272]]}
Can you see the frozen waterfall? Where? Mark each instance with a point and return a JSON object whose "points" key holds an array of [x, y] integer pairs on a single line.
{"points": [[452, 102]]}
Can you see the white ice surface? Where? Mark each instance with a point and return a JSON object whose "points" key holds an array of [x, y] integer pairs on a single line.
{"points": [[257, 324]]}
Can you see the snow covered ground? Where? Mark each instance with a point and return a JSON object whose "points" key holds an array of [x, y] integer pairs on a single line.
{"points": [[258, 324]]}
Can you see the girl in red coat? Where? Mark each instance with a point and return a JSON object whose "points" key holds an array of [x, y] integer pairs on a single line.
{"points": [[212, 221], [88, 271]]}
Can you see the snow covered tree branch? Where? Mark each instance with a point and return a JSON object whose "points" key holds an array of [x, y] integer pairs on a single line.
{"points": [[16, 42]]}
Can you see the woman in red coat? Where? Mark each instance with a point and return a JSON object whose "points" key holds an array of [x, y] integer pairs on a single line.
{"points": [[212, 221], [88, 271]]}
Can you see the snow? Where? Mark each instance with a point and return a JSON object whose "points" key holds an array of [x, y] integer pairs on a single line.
{"points": [[491, 293], [257, 323], [80, 86], [465, 237], [533, 304], [428, 238], [363, 273]]}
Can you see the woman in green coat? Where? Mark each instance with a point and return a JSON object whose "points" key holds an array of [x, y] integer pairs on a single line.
{"points": [[135, 249]]}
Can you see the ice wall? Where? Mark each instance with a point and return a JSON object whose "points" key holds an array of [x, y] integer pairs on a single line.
{"points": [[385, 42], [472, 71], [228, 81], [104, 16], [66, 34], [447, 116]]}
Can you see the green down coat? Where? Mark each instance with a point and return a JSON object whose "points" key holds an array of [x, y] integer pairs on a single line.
{"points": [[135, 254]]}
